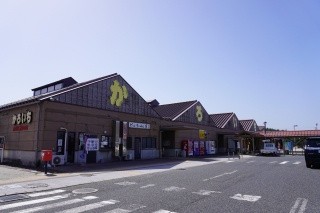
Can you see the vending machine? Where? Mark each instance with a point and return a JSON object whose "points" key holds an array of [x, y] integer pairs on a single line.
{"points": [[196, 150], [201, 148], [210, 147], [187, 147], [190, 148]]}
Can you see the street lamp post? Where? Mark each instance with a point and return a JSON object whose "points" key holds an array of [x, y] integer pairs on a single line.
{"points": [[65, 144], [265, 127]]}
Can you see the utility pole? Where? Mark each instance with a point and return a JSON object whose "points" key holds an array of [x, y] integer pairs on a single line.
{"points": [[294, 138]]}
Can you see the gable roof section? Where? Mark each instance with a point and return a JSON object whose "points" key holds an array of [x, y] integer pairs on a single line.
{"points": [[53, 93], [101, 93], [173, 111], [221, 119], [248, 125], [186, 112]]}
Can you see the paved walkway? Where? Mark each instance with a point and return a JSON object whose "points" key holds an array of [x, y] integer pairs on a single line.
{"points": [[17, 181]]}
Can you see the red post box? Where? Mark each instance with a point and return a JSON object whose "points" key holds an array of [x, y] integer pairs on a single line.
{"points": [[46, 155]]}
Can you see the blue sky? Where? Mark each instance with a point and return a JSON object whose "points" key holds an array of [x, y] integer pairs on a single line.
{"points": [[258, 59]]}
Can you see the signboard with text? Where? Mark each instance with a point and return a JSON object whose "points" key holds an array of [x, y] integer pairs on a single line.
{"points": [[135, 125], [92, 144]]}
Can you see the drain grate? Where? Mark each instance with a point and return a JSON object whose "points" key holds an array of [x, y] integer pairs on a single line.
{"points": [[8, 198], [84, 191]]}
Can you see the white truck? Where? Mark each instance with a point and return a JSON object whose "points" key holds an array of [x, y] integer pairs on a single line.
{"points": [[269, 148]]}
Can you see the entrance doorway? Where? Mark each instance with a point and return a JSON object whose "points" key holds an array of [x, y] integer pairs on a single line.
{"points": [[71, 144], [137, 148]]}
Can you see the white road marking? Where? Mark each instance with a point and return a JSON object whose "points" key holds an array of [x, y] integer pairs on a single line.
{"points": [[173, 188], [273, 162], [126, 183], [296, 205], [250, 161], [130, 208], [163, 211], [229, 161], [12, 186], [46, 193], [90, 206], [284, 162], [250, 198], [55, 205], [297, 162], [205, 192], [30, 202], [217, 176], [147, 186], [90, 197]]}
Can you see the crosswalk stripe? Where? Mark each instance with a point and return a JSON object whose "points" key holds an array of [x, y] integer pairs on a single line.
{"points": [[90, 206], [297, 162], [30, 202], [273, 162], [284, 162], [54, 205], [46, 193], [163, 211], [130, 208]]}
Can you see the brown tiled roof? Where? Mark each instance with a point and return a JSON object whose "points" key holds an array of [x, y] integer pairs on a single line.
{"points": [[221, 119], [283, 134], [247, 124], [51, 94], [171, 111]]}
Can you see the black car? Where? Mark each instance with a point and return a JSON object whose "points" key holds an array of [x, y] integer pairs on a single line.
{"points": [[312, 152]]}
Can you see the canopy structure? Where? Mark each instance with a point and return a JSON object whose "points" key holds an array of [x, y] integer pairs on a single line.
{"points": [[289, 134]]}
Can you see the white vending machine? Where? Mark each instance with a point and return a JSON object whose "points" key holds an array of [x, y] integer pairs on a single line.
{"points": [[210, 147]]}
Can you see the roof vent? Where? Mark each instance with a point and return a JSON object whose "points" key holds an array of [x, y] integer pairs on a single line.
{"points": [[153, 103]]}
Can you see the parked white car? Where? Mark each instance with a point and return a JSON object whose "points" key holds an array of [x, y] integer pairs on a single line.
{"points": [[269, 148]]}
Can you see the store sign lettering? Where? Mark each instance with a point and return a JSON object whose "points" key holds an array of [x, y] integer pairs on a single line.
{"points": [[22, 118], [199, 113], [119, 93], [139, 125]]}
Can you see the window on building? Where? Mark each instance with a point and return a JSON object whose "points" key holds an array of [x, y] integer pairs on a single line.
{"points": [[51, 88], [148, 143], [58, 86], [37, 92], [44, 90], [129, 143]]}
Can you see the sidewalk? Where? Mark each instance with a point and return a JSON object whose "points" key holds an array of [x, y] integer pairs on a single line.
{"points": [[18, 181]]}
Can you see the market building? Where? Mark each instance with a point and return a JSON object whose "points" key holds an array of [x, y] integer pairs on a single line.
{"points": [[95, 121], [190, 131], [105, 119], [229, 141]]}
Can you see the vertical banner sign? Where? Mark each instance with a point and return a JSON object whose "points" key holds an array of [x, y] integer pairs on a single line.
{"points": [[117, 138], [124, 137], [125, 130]]}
